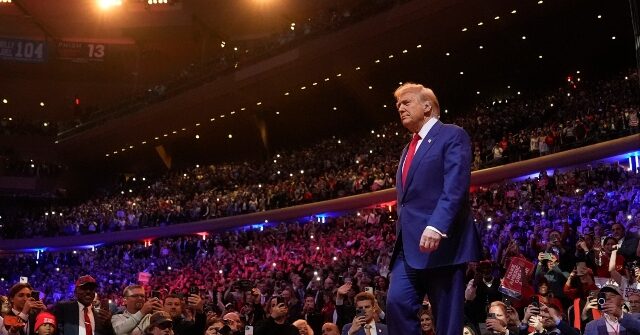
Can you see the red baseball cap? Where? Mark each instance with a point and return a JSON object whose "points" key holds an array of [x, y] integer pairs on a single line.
{"points": [[86, 280], [45, 317]]}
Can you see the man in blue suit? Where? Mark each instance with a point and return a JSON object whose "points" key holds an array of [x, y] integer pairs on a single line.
{"points": [[435, 232], [364, 323], [614, 320]]}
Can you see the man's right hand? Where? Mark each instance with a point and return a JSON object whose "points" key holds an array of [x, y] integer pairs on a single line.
{"points": [[151, 306], [530, 311], [32, 304], [357, 323], [279, 311], [344, 289], [591, 304]]}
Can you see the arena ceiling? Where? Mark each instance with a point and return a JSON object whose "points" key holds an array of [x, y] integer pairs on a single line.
{"points": [[468, 51]]}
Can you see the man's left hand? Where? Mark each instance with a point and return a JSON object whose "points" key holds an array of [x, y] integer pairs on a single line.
{"points": [[194, 301], [430, 240]]}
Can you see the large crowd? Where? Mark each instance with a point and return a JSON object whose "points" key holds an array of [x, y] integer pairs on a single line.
{"points": [[502, 131], [578, 227]]}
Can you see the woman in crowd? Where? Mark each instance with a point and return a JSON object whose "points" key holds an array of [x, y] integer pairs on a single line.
{"points": [[426, 322], [303, 327]]}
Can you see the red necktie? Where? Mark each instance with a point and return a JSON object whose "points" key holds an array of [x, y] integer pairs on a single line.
{"points": [[407, 161], [87, 322]]}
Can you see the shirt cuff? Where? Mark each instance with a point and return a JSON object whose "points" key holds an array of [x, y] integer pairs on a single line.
{"points": [[437, 231], [24, 317]]}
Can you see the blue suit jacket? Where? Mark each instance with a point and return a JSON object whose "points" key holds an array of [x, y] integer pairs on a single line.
{"points": [[381, 329], [628, 325], [437, 194]]}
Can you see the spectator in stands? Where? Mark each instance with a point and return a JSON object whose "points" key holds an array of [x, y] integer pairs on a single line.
{"points": [[189, 320], [549, 321], [136, 316], [75, 317], [233, 320], [364, 322], [45, 324], [426, 322], [25, 307], [160, 323], [303, 327], [634, 302], [480, 291], [330, 329], [613, 319], [311, 315], [276, 324]]}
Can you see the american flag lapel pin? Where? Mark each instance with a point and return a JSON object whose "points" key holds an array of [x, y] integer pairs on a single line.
{"points": [[429, 141]]}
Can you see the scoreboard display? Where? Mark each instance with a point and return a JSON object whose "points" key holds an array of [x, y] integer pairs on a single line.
{"points": [[80, 52], [23, 50]]}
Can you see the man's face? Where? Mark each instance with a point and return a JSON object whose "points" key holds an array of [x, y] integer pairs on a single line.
{"points": [[328, 284], [284, 311], [85, 294], [135, 299], [614, 298], [286, 294], [309, 303], [21, 298], [634, 303], [617, 231], [330, 329], [173, 306], [367, 306], [413, 113]]}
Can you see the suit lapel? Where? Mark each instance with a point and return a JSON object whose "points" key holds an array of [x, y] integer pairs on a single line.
{"points": [[399, 186], [425, 146]]}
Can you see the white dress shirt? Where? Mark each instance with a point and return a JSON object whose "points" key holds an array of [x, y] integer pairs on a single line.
{"points": [[82, 330]]}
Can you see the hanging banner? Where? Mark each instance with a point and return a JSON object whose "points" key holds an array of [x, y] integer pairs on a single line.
{"points": [[23, 50]]}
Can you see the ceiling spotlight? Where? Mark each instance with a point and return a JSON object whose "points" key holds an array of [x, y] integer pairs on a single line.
{"points": [[418, 46], [41, 104], [370, 87], [314, 84], [339, 75], [540, 2], [481, 47], [303, 88], [335, 108], [286, 93], [599, 16], [514, 11], [613, 37], [405, 51], [496, 18], [390, 56], [461, 72], [447, 54], [480, 23], [540, 56], [477, 92], [464, 29], [326, 79], [259, 103], [4, 101], [377, 61], [197, 136], [358, 68], [230, 136], [524, 37], [106, 4]]}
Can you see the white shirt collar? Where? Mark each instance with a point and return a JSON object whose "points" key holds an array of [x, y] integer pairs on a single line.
{"points": [[426, 127]]}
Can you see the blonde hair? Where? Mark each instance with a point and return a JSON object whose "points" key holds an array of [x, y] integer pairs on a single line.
{"points": [[424, 94], [303, 323]]}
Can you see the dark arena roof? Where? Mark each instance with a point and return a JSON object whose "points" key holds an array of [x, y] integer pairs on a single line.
{"points": [[233, 80]]}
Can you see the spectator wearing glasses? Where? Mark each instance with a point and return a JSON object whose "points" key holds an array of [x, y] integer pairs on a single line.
{"points": [[160, 323], [137, 313], [614, 320]]}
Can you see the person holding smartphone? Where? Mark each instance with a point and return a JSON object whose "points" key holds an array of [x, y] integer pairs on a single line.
{"points": [[364, 322], [24, 307], [276, 323], [187, 315], [613, 320]]}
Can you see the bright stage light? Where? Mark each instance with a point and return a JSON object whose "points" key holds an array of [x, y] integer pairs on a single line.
{"points": [[106, 4]]}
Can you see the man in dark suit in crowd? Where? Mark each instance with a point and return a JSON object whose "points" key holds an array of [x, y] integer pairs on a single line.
{"points": [[436, 235], [79, 317], [25, 307]]}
